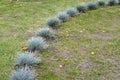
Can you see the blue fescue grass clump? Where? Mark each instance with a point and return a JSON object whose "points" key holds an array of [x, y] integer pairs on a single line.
{"points": [[63, 17], [92, 6], [82, 8], [112, 2], [72, 12], [101, 3], [119, 2], [46, 33], [23, 74], [37, 44], [28, 59], [53, 23]]}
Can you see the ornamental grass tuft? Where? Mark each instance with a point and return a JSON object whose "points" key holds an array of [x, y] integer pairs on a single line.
{"points": [[119, 2], [37, 44], [28, 59], [101, 3], [46, 33], [72, 12], [63, 17], [112, 2], [82, 8], [53, 23], [23, 74], [92, 6]]}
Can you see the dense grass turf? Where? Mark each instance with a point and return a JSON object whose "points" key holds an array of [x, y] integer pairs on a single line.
{"points": [[87, 46]]}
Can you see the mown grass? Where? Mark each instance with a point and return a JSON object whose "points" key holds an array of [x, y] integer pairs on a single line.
{"points": [[87, 46]]}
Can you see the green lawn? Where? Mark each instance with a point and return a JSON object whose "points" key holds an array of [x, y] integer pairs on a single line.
{"points": [[88, 45]]}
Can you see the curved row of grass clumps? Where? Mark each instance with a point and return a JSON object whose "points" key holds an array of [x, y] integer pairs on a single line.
{"points": [[26, 62]]}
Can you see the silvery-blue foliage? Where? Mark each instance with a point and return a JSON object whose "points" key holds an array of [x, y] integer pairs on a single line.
{"points": [[46, 33], [82, 8], [112, 2], [53, 23], [27, 59], [23, 74], [119, 2], [92, 6], [37, 44], [72, 12], [101, 3], [63, 17]]}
